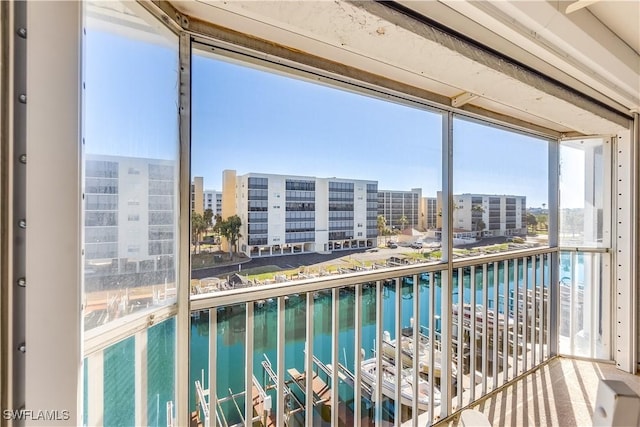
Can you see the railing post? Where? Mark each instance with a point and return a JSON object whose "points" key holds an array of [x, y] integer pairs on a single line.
{"points": [[357, 365], [308, 362], [248, 380], [553, 258], [447, 255]]}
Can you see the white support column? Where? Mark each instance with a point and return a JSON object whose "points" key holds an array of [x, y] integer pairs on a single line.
{"points": [[53, 379], [95, 391], [183, 320], [141, 378], [625, 255]]}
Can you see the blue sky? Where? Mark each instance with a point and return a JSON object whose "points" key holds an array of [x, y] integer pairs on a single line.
{"points": [[256, 121]]}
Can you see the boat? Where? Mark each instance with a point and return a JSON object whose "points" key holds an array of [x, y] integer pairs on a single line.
{"points": [[408, 352], [389, 378], [491, 317]]}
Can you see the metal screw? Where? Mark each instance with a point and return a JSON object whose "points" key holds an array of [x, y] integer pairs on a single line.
{"points": [[22, 282], [22, 33], [23, 98], [22, 348], [22, 223], [23, 158]]}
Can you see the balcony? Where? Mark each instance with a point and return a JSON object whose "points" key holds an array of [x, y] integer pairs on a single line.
{"points": [[543, 100], [312, 325]]}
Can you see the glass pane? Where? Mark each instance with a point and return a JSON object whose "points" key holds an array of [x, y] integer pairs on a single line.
{"points": [[322, 348], [500, 187], [584, 193], [161, 368], [585, 311], [130, 134], [265, 359], [119, 384], [231, 360], [199, 358], [304, 168], [295, 335]]}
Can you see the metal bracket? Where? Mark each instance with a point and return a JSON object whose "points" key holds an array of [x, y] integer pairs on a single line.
{"points": [[463, 98]]}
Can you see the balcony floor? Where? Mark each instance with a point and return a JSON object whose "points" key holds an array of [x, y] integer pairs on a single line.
{"points": [[561, 393]]}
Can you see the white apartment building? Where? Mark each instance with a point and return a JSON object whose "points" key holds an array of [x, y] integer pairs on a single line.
{"points": [[401, 209], [284, 214], [129, 216], [428, 213], [212, 199], [488, 215]]}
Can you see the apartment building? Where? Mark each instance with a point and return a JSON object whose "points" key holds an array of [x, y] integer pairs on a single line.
{"points": [[428, 213], [565, 72], [212, 199], [284, 214], [401, 209], [197, 195], [488, 215], [129, 216]]}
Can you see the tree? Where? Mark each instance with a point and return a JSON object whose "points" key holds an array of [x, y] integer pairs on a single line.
{"points": [[230, 230], [382, 225], [542, 221], [217, 223], [476, 218], [198, 226], [403, 221], [532, 222], [208, 218]]}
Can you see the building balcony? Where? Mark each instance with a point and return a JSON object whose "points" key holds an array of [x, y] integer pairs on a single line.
{"points": [[450, 98]]}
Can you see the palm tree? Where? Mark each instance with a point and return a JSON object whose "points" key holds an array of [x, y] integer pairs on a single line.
{"points": [[542, 221], [198, 226], [382, 226], [532, 221], [208, 218], [403, 221], [216, 226], [230, 230], [476, 217]]}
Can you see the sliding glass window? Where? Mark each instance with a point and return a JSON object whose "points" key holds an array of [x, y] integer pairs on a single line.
{"points": [[322, 181], [130, 134], [306, 168], [500, 189], [130, 213]]}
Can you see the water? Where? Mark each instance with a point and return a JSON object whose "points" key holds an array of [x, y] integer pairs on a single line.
{"points": [[231, 328]]}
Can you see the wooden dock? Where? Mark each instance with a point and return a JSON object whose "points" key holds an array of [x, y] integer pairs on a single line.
{"points": [[322, 400], [267, 418]]}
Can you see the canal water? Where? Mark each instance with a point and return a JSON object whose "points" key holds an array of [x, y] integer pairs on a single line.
{"points": [[231, 331], [117, 363]]}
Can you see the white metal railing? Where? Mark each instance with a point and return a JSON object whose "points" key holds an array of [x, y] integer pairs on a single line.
{"points": [[393, 323]]}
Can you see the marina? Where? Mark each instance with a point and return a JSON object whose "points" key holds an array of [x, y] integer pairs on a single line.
{"points": [[510, 346]]}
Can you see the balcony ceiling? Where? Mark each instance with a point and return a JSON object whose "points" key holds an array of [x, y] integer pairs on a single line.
{"points": [[593, 50]]}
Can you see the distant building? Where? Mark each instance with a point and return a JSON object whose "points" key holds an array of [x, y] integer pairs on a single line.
{"points": [[197, 195], [487, 215], [401, 209], [213, 201], [130, 208], [428, 213], [284, 214]]}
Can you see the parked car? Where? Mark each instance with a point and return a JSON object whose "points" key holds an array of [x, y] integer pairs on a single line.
{"points": [[417, 245], [391, 244]]}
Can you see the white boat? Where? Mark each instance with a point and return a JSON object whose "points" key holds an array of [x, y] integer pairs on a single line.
{"points": [[491, 317], [408, 352], [389, 378]]}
